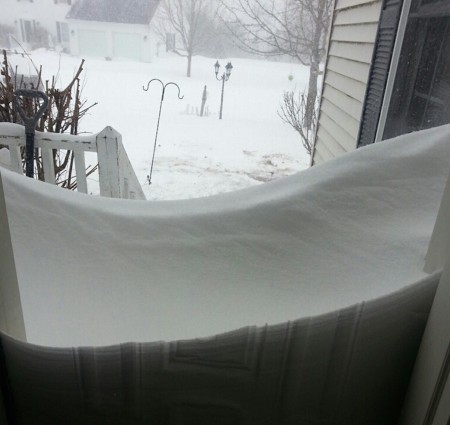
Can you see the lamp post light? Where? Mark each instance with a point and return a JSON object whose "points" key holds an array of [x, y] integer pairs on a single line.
{"points": [[225, 77]]}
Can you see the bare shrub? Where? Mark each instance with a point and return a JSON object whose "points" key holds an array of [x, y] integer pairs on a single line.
{"points": [[63, 114], [294, 111]]}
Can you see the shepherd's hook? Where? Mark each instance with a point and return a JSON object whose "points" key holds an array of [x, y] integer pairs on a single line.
{"points": [[30, 123], [164, 86]]}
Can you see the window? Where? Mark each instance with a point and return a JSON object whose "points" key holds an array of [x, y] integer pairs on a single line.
{"points": [[62, 31], [421, 95], [170, 42], [27, 29]]}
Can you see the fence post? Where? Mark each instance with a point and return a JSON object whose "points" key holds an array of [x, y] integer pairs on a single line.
{"points": [[80, 168], [108, 163], [48, 165], [204, 97], [15, 159], [130, 186]]}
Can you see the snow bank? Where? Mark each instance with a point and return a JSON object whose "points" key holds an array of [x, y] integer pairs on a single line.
{"points": [[98, 271]]}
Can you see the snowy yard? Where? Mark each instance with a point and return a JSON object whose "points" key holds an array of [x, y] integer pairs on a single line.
{"points": [[196, 156]]}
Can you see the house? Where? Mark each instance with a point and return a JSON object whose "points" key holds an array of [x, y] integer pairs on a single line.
{"points": [[36, 23], [387, 73], [113, 29]]}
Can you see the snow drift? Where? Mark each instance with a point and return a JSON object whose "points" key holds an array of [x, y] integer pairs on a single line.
{"points": [[97, 271], [344, 241]]}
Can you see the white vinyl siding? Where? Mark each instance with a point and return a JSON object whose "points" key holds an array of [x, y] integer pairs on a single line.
{"points": [[111, 40], [127, 46], [345, 4], [348, 123], [355, 52], [62, 32], [350, 52], [92, 43], [364, 33]]}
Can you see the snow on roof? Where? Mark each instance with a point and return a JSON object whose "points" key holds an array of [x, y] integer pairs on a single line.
{"points": [[119, 11], [98, 271]]}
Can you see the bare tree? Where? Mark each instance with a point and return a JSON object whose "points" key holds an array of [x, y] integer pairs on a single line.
{"points": [[185, 18], [296, 28]]}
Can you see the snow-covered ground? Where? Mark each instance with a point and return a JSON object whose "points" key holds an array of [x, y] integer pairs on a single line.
{"points": [[196, 156]]}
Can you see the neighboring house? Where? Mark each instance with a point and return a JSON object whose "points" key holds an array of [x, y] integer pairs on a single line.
{"points": [[387, 73], [36, 23], [113, 29]]}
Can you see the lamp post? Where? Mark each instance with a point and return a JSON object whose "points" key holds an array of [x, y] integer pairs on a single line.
{"points": [[225, 77]]}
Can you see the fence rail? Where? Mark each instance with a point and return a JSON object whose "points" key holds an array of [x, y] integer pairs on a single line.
{"points": [[117, 178]]}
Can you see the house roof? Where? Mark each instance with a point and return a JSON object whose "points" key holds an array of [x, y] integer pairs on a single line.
{"points": [[119, 11]]}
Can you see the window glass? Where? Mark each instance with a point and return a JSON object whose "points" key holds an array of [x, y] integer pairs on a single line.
{"points": [[63, 32], [421, 95]]}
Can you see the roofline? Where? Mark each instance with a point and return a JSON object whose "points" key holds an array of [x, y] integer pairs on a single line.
{"points": [[84, 21]]}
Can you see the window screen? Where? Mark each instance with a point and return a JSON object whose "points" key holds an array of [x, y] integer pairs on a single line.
{"points": [[421, 95]]}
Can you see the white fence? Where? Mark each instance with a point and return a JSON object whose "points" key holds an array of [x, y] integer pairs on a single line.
{"points": [[117, 178]]}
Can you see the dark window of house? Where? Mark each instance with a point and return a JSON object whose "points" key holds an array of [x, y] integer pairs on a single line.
{"points": [[421, 95], [62, 31], [28, 30], [170, 42]]}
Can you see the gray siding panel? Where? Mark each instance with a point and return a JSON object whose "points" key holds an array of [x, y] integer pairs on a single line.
{"points": [[343, 4], [342, 136], [338, 115], [369, 13], [350, 53], [325, 152], [343, 101], [330, 142], [358, 52], [363, 33], [350, 87], [356, 70], [317, 158]]}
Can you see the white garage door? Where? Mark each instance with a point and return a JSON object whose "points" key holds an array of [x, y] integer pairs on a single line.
{"points": [[127, 45], [92, 43]]}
